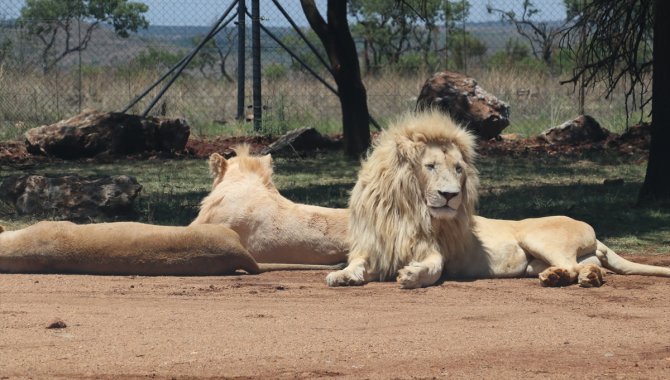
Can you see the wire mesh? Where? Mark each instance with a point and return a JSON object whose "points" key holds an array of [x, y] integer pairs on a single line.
{"points": [[52, 68]]}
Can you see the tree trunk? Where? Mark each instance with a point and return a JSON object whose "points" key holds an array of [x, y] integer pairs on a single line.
{"points": [[339, 44], [656, 187]]}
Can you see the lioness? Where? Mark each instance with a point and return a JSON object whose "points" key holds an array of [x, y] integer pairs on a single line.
{"points": [[412, 217], [272, 228], [127, 248]]}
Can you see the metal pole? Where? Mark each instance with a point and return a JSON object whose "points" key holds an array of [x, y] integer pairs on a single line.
{"points": [[182, 63], [465, 48], [80, 84], [241, 46], [188, 59], [256, 62], [582, 43]]}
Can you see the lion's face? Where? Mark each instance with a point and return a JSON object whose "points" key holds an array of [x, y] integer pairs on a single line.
{"points": [[443, 176]]}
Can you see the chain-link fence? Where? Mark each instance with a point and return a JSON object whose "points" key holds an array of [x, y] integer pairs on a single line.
{"points": [[59, 57]]}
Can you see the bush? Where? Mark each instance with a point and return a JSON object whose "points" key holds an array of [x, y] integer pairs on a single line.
{"points": [[275, 71], [413, 63]]}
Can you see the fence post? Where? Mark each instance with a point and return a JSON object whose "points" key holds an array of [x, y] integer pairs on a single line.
{"points": [[256, 62], [581, 63], [241, 46], [465, 47]]}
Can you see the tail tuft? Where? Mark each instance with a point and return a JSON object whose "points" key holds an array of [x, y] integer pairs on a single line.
{"points": [[2, 229]]}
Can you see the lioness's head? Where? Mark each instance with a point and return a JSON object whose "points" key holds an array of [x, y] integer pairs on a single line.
{"points": [[240, 165]]}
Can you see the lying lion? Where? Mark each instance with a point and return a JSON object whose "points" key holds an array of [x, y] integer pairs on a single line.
{"points": [[412, 217], [244, 220], [272, 228], [127, 248]]}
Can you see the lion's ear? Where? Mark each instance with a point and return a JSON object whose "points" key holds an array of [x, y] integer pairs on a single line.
{"points": [[406, 148], [217, 165]]}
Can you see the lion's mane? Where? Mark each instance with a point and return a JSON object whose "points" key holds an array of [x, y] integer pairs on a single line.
{"points": [[389, 220]]}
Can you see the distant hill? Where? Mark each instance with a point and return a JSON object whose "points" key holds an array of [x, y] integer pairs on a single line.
{"points": [[107, 49]]}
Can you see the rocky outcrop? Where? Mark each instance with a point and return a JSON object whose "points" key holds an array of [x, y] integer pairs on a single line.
{"points": [[581, 130], [466, 102], [70, 197], [638, 135], [93, 132]]}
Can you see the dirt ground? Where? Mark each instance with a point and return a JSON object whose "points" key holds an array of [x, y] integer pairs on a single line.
{"points": [[290, 325]]}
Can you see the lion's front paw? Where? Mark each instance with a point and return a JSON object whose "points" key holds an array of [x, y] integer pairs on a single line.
{"points": [[591, 276], [554, 276], [409, 277], [344, 278]]}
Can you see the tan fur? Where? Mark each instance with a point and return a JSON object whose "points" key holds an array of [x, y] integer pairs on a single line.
{"points": [[123, 248], [272, 228], [412, 217]]}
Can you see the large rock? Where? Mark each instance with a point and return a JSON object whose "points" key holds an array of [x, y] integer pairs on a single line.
{"points": [[71, 196], [93, 132], [583, 129], [637, 135], [466, 102], [298, 142]]}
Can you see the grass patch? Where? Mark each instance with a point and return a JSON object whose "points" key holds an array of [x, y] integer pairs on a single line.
{"points": [[511, 189], [291, 101]]}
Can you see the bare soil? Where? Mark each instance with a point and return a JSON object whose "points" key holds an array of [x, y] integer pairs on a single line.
{"points": [[290, 325]]}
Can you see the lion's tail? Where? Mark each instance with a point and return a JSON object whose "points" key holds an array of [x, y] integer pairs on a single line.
{"points": [[618, 264], [2, 229]]}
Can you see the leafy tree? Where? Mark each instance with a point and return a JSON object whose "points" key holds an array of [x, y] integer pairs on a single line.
{"points": [[5, 50], [336, 38], [390, 29], [215, 53], [466, 46], [304, 53], [275, 71], [514, 53], [624, 45], [542, 36], [55, 23], [156, 59]]}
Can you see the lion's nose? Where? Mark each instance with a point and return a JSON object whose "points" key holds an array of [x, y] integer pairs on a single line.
{"points": [[447, 195]]}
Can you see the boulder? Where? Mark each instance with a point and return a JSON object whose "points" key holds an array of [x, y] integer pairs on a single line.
{"points": [[298, 142], [466, 102], [93, 132], [638, 135], [70, 197], [581, 130]]}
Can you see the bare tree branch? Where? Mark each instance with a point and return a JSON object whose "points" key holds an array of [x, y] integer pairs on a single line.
{"points": [[617, 50]]}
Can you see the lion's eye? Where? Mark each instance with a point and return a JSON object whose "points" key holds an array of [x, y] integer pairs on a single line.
{"points": [[459, 169], [430, 166]]}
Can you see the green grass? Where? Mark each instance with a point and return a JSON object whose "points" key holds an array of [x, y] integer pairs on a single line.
{"points": [[512, 188]]}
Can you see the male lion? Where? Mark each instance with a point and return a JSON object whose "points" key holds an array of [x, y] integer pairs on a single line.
{"points": [[272, 228], [412, 217]]}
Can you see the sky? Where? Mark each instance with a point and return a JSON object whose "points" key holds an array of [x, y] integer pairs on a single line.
{"points": [[204, 12]]}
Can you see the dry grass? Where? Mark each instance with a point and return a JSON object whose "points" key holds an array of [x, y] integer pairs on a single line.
{"points": [[292, 101]]}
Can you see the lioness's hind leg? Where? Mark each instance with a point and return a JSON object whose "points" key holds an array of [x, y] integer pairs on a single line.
{"points": [[555, 276], [354, 274], [591, 276]]}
